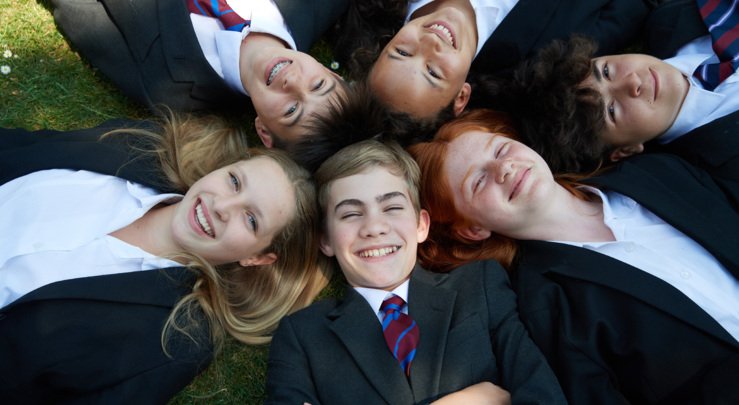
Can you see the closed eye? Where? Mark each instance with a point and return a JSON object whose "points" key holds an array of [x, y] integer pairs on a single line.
{"points": [[394, 208], [349, 214], [502, 149], [477, 184]]}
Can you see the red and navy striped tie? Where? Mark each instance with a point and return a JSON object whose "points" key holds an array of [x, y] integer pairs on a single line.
{"points": [[221, 10], [722, 19], [401, 332]]}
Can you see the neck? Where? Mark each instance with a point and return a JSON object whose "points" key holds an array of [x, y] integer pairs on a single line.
{"points": [[429, 8], [152, 232], [569, 218]]}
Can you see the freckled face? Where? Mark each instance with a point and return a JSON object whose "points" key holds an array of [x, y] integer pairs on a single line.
{"points": [[642, 94], [233, 213], [497, 181], [372, 229]]}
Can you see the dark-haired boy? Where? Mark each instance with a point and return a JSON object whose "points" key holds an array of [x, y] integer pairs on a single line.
{"points": [[577, 110], [470, 343]]}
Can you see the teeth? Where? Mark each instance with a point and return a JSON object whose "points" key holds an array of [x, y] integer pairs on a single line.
{"points": [[202, 221], [275, 70], [445, 31], [378, 252]]}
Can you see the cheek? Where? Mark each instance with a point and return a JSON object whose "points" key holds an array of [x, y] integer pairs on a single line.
{"points": [[238, 242]]}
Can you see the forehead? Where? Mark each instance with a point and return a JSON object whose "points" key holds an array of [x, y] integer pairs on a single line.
{"points": [[366, 186], [402, 86]]}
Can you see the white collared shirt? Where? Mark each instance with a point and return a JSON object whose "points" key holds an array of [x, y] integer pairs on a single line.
{"points": [[375, 297], [54, 230], [488, 15], [701, 106], [648, 243], [222, 48]]}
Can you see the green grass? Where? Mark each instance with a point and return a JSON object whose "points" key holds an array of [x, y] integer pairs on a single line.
{"points": [[49, 86]]}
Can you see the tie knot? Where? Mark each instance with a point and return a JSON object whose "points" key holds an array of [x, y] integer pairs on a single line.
{"points": [[393, 303]]}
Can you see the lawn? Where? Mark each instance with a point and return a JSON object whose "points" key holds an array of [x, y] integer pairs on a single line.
{"points": [[49, 86]]}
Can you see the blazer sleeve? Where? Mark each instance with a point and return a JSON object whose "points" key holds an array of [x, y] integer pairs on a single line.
{"points": [[23, 152], [582, 375], [524, 371], [289, 378], [85, 351]]}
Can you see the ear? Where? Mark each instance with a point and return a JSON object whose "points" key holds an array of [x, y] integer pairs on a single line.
{"points": [[423, 225], [259, 260], [623, 152], [264, 134], [473, 232], [462, 98], [326, 246]]}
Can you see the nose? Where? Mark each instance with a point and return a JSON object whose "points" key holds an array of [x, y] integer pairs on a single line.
{"points": [[292, 79], [630, 84], [374, 225], [430, 44], [503, 168], [224, 207]]}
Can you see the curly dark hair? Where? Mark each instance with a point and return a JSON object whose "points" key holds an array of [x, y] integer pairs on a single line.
{"points": [[555, 114], [357, 116], [364, 30]]}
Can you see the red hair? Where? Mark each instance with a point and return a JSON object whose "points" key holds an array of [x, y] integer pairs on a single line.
{"points": [[445, 248]]}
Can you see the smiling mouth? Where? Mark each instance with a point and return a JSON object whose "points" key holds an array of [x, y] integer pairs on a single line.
{"points": [[378, 252], [519, 183], [202, 220], [656, 83], [444, 32], [276, 69]]}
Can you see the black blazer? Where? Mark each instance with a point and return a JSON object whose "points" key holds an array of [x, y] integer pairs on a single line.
{"points": [[532, 24], [93, 339], [334, 351], [149, 50], [713, 147], [615, 334], [671, 25]]}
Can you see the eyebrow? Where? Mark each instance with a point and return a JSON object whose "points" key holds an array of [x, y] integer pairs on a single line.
{"points": [[596, 72], [330, 88], [380, 198]]}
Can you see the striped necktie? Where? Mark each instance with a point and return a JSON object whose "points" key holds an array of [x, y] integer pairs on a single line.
{"points": [[401, 332], [722, 19], [221, 10]]}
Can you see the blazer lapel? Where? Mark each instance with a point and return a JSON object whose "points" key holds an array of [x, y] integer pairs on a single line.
{"points": [[358, 329], [432, 309], [596, 268], [515, 36], [663, 186]]}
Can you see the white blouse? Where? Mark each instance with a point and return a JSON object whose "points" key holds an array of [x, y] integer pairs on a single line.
{"points": [[55, 226]]}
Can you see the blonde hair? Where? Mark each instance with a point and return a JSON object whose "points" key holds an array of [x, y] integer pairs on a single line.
{"points": [[364, 155], [245, 302]]}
